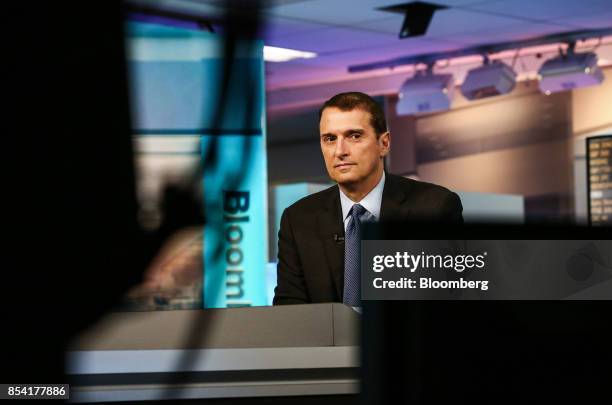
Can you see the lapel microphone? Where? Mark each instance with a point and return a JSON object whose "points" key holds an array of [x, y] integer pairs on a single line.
{"points": [[339, 239]]}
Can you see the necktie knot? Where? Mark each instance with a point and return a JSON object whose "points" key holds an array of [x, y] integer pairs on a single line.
{"points": [[357, 211]]}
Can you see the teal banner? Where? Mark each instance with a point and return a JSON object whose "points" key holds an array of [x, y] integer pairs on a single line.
{"points": [[235, 237], [235, 190], [182, 86]]}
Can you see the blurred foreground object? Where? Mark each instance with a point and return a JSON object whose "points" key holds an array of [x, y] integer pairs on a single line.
{"points": [[174, 277], [77, 245]]}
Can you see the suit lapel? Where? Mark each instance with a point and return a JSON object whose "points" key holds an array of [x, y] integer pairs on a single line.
{"points": [[329, 224]]}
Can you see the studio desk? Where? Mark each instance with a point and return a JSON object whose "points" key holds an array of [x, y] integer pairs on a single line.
{"points": [[253, 352]]}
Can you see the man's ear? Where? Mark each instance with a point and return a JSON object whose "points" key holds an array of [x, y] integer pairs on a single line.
{"points": [[385, 142]]}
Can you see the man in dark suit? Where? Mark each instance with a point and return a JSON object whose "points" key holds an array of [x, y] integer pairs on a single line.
{"points": [[318, 241]]}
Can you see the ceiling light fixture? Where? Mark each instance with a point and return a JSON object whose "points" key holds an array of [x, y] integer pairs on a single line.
{"points": [[490, 79], [425, 92], [275, 54], [569, 70]]}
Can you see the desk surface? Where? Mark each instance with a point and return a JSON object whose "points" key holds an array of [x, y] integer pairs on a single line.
{"points": [[312, 325], [220, 353]]}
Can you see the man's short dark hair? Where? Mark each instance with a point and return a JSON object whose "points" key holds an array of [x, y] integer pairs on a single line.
{"points": [[353, 100]]}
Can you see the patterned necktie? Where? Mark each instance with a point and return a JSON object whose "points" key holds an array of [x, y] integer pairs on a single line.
{"points": [[352, 249]]}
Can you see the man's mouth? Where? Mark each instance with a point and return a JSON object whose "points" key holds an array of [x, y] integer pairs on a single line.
{"points": [[344, 165]]}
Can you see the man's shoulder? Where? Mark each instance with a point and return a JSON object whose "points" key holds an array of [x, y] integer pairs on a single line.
{"points": [[418, 187], [314, 202], [422, 201]]}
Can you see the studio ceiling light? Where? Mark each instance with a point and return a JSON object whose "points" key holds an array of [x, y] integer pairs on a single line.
{"points": [[425, 92], [568, 71], [275, 54], [488, 80]]}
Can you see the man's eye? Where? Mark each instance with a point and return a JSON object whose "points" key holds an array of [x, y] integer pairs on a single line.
{"points": [[356, 135], [328, 138]]}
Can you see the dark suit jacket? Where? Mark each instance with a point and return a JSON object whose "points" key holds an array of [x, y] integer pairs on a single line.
{"points": [[311, 262]]}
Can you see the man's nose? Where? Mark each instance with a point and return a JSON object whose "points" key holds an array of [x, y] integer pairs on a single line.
{"points": [[341, 148]]}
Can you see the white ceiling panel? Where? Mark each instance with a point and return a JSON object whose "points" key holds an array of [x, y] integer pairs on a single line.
{"points": [[456, 3], [444, 23], [391, 24], [453, 21], [514, 32], [546, 10], [332, 40], [335, 12], [395, 49], [274, 28], [404, 47], [599, 20], [348, 12]]}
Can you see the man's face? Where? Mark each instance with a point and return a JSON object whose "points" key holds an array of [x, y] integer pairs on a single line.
{"points": [[353, 154]]}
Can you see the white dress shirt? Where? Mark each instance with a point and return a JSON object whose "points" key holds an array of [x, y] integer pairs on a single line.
{"points": [[370, 202]]}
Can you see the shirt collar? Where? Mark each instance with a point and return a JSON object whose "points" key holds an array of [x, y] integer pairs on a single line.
{"points": [[371, 202]]}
